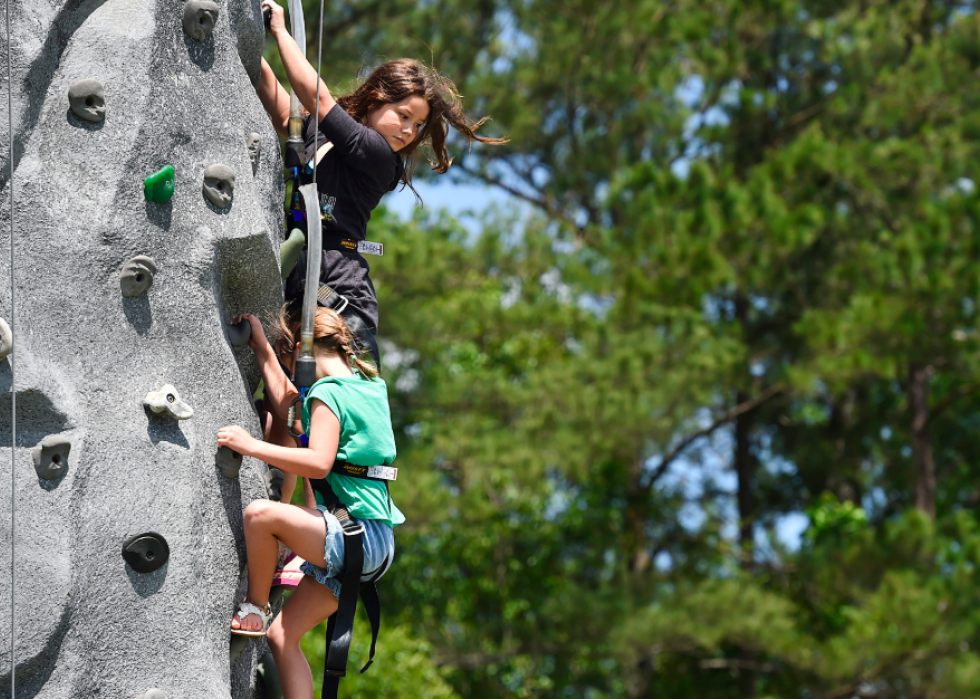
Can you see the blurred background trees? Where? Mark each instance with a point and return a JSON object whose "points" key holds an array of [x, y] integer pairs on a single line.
{"points": [[695, 413]]}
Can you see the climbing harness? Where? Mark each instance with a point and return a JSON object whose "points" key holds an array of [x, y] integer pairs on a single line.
{"points": [[10, 359], [352, 583]]}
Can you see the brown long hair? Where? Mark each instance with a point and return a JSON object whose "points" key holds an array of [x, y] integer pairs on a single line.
{"points": [[401, 79], [329, 332]]}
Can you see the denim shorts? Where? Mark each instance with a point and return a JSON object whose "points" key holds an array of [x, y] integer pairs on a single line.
{"points": [[379, 549]]}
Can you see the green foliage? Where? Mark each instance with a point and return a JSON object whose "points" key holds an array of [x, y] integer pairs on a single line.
{"points": [[403, 667], [739, 281]]}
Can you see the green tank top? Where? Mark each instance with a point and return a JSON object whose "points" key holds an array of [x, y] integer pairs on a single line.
{"points": [[366, 439]]}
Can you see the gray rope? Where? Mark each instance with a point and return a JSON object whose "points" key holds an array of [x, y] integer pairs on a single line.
{"points": [[10, 359]]}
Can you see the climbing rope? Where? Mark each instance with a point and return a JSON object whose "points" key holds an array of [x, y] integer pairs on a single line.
{"points": [[13, 326]]}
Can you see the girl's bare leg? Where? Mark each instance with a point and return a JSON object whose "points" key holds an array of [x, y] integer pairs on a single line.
{"points": [[310, 604], [302, 529]]}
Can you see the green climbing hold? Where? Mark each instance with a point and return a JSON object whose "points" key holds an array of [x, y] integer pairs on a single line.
{"points": [[290, 249], [159, 186]]}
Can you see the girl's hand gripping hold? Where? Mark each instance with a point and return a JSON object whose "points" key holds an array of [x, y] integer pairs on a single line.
{"points": [[258, 340], [278, 21], [237, 439]]}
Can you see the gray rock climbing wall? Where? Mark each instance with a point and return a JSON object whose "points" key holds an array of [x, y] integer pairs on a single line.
{"points": [[128, 538]]}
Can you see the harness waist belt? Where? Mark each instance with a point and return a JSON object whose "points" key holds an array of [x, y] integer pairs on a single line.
{"points": [[371, 473]]}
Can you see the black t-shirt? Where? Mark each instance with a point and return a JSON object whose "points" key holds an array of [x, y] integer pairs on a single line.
{"points": [[351, 178]]}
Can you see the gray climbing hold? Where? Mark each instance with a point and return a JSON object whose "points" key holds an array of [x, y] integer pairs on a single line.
{"points": [[274, 478], [167, 401], [146, 552], [240, 333], [87, 100], [229, 462], [51, 457], [200, 16], [219, 185], [6, 340], [254, 144], [154, 694], [137, 275], [290, 250]]}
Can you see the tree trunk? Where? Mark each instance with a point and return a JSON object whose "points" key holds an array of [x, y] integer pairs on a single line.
{"points": [[745, 467], [922, 463], [636, 517]]}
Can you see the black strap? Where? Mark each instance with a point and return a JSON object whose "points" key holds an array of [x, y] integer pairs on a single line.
{"points": [[341, 625]]}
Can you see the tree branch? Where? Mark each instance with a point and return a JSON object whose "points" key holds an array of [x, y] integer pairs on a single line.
{"points": [[725, 418], [542, 203]]}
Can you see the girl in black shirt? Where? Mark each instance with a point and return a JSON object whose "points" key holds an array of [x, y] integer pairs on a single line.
{"points": [[365, 145]]}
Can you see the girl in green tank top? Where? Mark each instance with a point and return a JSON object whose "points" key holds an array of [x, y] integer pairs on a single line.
{"points": [[347, 419]]}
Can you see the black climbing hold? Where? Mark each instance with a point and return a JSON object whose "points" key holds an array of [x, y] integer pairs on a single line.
{"points": [[51, 457], [266, 15], [274, 478], [137, 275], [87, 100], [200, 16], [146, 552], [229, 462], [240, 333], [219, 185]]}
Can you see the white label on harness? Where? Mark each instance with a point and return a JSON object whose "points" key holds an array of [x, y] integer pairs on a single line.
{"points": [[366, 247], [387, 473]]}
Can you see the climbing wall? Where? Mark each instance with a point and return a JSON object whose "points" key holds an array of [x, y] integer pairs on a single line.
{"points": [[146, 215]]}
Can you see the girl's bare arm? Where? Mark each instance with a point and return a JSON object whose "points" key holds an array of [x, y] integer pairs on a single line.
{"points": [[314, 462], [279, 390], [302, 76], [274, 98]]}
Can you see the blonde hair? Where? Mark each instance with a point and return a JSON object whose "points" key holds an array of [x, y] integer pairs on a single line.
{"points": [[330, 333]]}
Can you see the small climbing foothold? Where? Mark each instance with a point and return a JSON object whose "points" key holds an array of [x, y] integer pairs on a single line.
{"points": [[219, 185], [51, 457], [240, 333], [167, 401], [290, 250], [87, 100], [254, 145], [137, 275], [274, 478], [229, 462], [154, 694], [200, 16], [6, 340], [159, 186], [146, 552]]}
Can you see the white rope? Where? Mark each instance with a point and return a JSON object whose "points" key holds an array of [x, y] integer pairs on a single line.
{"points": [[316, 123], [10, 360]]}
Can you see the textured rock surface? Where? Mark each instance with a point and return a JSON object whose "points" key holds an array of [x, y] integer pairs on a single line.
{"points": [[85, 356]]}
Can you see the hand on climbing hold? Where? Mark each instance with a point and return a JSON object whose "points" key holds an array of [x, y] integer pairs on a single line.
{"points": [[236, 439], [277, 23], [258, 339]]}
